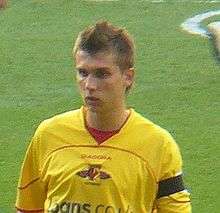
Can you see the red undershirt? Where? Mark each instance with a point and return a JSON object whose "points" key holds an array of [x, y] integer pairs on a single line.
{"points": [[101, 136]]}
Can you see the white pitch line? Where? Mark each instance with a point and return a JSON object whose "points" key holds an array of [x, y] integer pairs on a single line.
{"points": [[193, 25]]}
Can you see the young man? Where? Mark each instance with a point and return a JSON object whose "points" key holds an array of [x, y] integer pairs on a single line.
{"points": [[103, 157]]}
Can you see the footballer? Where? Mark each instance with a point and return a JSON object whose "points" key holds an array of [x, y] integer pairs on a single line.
{"points": [[103, 157]]}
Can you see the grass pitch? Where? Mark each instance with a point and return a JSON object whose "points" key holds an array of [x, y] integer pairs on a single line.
{"points": [[177, 83]]}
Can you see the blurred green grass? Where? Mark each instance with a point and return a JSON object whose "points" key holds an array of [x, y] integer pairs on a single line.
{"points": [[177, 83]]}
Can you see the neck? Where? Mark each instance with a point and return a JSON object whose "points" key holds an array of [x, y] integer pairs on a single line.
{"points": [[112, 120]]}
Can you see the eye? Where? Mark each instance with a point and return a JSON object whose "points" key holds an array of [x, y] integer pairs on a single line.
{"points": [[102, 73], [82, 72]]}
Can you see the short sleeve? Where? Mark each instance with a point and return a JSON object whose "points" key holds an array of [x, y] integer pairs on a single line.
{"points": [[31, 192], [175, 203], [171, 163], [171, 175]]}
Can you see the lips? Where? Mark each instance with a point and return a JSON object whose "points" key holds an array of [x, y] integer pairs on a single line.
{"points": [[90, 100]]}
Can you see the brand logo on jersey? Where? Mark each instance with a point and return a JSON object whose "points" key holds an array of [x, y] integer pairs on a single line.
{"points": [[93, 172]]}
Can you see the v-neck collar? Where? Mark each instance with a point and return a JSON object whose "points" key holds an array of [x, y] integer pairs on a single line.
{"points": [[123, 129]]}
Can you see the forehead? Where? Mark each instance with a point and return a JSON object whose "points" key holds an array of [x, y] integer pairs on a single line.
{"points": [[101, 59]]}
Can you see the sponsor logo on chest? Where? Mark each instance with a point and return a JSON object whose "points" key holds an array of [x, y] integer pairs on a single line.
{"points": [[69, 207]]}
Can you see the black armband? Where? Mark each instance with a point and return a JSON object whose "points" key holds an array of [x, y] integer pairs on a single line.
{"points": [[170, 186]]}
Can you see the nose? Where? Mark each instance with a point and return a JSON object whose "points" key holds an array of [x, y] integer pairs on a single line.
{"points": [[90, 83]]}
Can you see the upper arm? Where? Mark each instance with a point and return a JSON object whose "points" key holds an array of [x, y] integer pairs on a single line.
{"points": [[31, 192], [172, 195]]}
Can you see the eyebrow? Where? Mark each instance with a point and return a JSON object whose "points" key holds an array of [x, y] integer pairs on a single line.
{"points": [[95, 69], [103, 69]]}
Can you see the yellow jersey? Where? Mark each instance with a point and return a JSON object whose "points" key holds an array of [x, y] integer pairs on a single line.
{"points": [[66, 170]]}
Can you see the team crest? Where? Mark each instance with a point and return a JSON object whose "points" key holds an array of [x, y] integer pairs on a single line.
{"points": [[93, 173]]}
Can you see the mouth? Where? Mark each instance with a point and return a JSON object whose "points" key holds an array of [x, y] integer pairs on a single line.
{"points": [[90, 100]]}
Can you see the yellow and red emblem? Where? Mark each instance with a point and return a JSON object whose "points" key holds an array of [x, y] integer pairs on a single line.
{"points": [[93, 172]]}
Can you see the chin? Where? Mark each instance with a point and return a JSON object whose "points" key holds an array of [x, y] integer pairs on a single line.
{"points": [[95, 109], [92, 108]]}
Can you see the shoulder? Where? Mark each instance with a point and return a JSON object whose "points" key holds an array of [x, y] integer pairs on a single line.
{"points": [[54, 132], [153, 137], [158, 147], [70, 118], [148, 128]]}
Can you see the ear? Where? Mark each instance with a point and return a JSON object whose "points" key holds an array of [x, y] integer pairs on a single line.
{"points": [[129, 77]]}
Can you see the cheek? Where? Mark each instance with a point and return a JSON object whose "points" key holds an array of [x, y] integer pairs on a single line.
{"points": [[115, 89], [80, 84], [108, 86]]}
